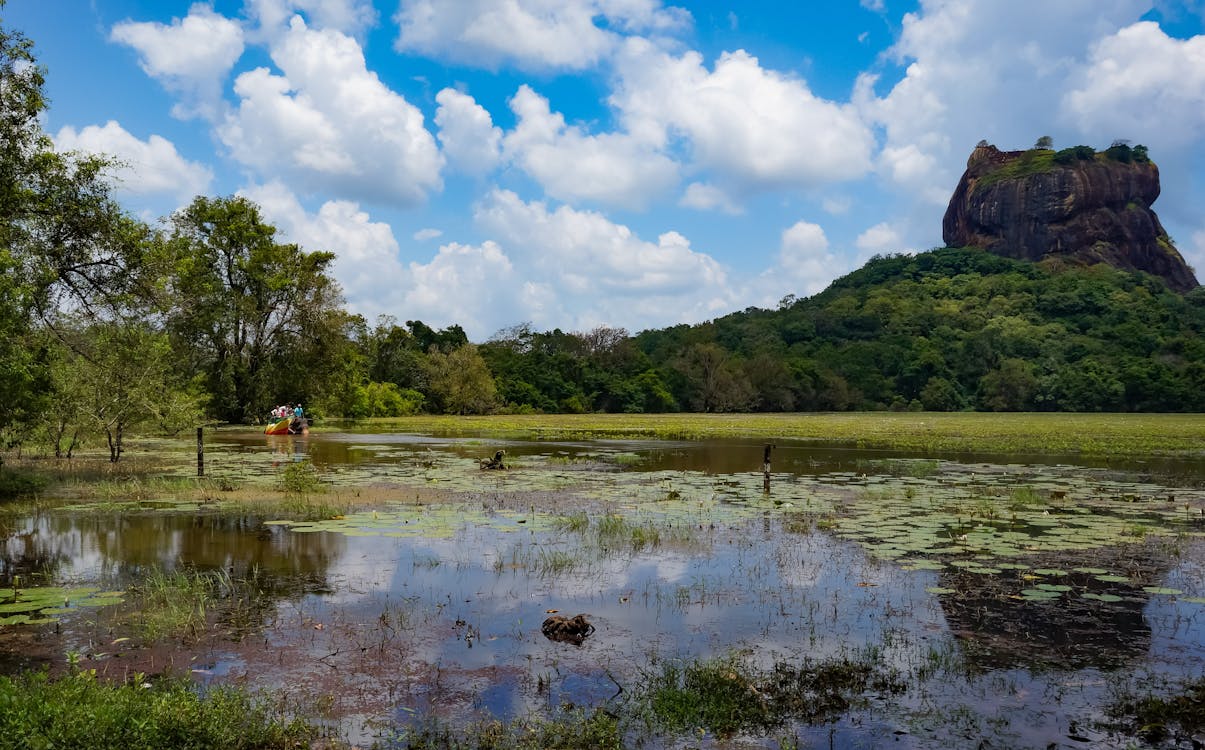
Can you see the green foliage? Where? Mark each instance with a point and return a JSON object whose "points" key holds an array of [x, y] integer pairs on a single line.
{"points": [[17, 484], [248, 312], [460, 382], [175, 603], [110, 378], [65, 245], [1074, 154], [300, 478], [954, 328], [81, 711], [384, 400], [725, 696], [1034, 161]]}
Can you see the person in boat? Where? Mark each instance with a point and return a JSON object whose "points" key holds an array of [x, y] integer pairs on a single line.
{"points": [[298, 424]]}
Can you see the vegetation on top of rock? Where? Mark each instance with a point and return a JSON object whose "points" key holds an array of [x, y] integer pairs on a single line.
{"points": [[1074, 207]]}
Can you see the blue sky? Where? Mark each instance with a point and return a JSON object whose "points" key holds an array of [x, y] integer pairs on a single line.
{"points": [[632, 163]]}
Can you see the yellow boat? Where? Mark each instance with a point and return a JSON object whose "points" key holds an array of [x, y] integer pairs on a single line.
{"points": [[286, 426]]}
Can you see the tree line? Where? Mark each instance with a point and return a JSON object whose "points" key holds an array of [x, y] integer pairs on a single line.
{"points": [[110, 324]]}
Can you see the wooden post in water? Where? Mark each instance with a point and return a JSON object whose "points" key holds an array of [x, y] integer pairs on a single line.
{"points": [[200, 453], [765, 468]]}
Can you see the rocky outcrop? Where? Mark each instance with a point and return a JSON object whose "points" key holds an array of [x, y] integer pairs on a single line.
{"points": [[1071, 208]]}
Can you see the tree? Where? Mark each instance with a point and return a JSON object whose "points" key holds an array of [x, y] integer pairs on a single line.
{"points": [[1009, 387], [394, 355], [245, 306], [65, 245], [460, 382], [714, 382], [1045, 143], [116, 376]]}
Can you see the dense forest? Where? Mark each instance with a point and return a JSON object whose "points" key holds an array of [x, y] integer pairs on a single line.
{"points": [[109, 324]]}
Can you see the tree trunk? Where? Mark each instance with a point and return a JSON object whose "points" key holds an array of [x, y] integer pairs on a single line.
{"points": [[115, 448]]}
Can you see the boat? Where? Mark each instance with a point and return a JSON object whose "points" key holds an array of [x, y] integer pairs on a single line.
{"points": [[288, 426]]}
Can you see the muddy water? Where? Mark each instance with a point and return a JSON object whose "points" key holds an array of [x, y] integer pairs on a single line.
{"points": [[1014, 594]]}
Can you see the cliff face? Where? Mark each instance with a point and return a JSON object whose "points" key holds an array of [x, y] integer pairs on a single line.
{"points": [[1027, 205]]}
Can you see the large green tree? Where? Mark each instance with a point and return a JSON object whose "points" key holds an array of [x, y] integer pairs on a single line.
{"points": [[249, 313], [113, 377], [460, 382], [65, 245]]}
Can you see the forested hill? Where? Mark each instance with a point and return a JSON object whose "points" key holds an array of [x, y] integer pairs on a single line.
{"points": [[949, 329]]}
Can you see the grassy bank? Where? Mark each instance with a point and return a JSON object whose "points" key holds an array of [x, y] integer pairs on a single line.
{"points": [[81, 711], [1094, 434]]}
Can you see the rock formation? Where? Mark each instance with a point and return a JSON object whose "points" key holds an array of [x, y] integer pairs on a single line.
{"points": [[1073, 207]]}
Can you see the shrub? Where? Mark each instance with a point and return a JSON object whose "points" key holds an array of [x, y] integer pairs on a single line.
{"points": [[1074, 154]]}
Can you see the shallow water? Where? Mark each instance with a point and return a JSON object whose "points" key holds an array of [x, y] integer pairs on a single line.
{"points": [[1015, 594]]}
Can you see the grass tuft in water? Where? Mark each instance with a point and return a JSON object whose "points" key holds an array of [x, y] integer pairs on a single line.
{"points": [[1022, 498], [1153, 717], [725, 696], [301, 478], [176, 603]]}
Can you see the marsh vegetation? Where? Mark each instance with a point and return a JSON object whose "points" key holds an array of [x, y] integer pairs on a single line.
{"points": [[379, 588]]}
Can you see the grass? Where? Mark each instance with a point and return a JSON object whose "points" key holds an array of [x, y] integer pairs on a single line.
{"points": [[900, 467], [81, 711], [176, 603], [1004, 433], [725, 696], [1033, 161], [1154, 717], [19, 484], [612, 531], [300, 478]]}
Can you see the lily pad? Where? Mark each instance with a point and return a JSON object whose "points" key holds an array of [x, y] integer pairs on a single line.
{"points": [[1162, 590]]}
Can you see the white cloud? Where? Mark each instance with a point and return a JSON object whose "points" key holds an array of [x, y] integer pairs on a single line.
{"points": [[427, 234], [881, 238], [1143, 85], [466, 131], [980, 69], [805, 257], [475, 286], [352, 17], [330, 124], [601, 271], [190, 57], [613, 168], [755, 128], [153, 166], [836, 205], [532, 34], [366, 264], [707, 197]]}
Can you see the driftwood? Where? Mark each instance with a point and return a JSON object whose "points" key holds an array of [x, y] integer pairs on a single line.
{"points": [[567, 629], [495, 462]]}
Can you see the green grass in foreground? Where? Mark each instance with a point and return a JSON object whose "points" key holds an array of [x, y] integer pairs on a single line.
{"points": [[1097, 434], [79, 711]]}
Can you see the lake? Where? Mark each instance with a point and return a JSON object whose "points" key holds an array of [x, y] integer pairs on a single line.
{"points": [[997, 599]]}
